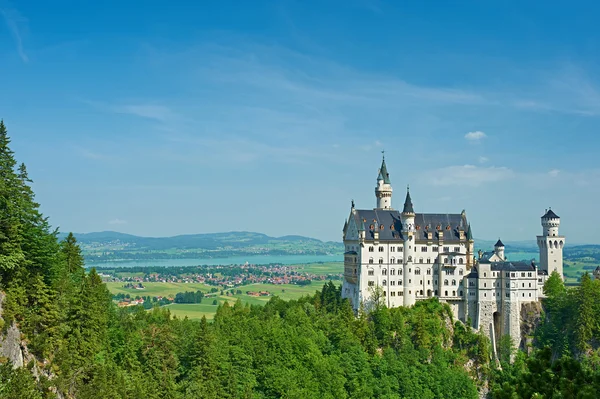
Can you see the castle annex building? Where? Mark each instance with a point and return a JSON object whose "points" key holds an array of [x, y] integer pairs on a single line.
{"points": [[408, 256]]}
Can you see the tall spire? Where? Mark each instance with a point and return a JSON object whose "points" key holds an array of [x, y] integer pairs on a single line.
{"points": [[383, 173], [408, 206]]}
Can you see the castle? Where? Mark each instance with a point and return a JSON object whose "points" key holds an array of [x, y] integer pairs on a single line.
{"points": [[403, 257]]}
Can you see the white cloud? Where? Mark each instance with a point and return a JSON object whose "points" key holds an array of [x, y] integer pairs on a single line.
{"points": [[554, 172], [475, 136], [468, 175], [156, 112], [15, 22], [483, 159], [117, 221]]}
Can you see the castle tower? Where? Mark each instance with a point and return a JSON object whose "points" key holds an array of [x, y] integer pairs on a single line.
{"points": [[383, 190], [551, 244], [408, 233], [499, 249], [470, 248]]}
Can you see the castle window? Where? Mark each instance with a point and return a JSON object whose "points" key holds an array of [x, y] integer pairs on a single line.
{"points": [[380, 249], [471, 283], [400, 249], [522, 274], [380, 261], [410, 258], [383, 293], [384, 271], [445, 293], [456, 249], [523, 295], [512, 274], [399, 272], [393, 260], [384, 282], [392, 272], [507, 285], [530, 295], [423, 249], [460, 261], [392, 249], [371, 261], [446, 249], [428, 271], [409, 281], [484, 285], [371, 283], [528, 274], [434, 249], [399, 282], [435, 282], [417, 272], [428, 260], [421, 292], [371, 249], [392, 282], [507, 295], [445, 260], [428, 282], [371, 272], [400, 293], [420, 260], [420, 282], [393, 293], [484, 274], [453, 282], [445, 282], [460, 272], [529, 285]]}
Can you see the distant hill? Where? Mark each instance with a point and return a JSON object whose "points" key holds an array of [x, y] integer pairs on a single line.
{"points": [[111, 245]]}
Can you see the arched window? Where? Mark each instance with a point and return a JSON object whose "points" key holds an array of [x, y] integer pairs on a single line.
{"points": [[555, 244], [410, 258], [392, 272], [445, 293], [460, 272], [371, 261], [380, 249], [453, 293], [428, 260], [460, 261], [384, 282], [384, 271], [550, 244], [428, 272], [381, 261], [421, 292], [393, 260], [453, 282], [420, 260], [399, 272], [370, 249], [417, 272], [445, 260], [561, 244], [445, 282], [399, 282]]}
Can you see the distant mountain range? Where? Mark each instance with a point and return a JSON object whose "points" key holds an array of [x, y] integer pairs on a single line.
{"points": [[112, 245]]}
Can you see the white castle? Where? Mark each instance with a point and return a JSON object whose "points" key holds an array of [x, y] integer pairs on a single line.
{"points": [[414, 256]]}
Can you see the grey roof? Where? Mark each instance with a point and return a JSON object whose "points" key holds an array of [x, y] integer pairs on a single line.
{"points": [[550, 215], [350, 253], [485, 256], [383, 173], [512, 267], [498, 243], [469, 233], [408, 206], [390, 224]]}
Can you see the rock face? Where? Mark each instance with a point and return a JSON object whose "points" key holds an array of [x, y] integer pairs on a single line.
{"points": [[531, 316], [10, 343]]}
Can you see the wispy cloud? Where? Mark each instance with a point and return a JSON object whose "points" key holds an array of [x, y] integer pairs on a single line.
{"points": [[89, 154], [157, 112], [475, 136], [15, 22], [468, 175], [117, 221], [483, 159], [554, 173]]}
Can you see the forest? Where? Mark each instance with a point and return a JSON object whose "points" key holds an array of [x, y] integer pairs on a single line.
{"points": [[77, 343]]}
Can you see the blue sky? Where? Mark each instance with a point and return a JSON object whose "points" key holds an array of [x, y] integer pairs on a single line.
{"points": [[158, 119]]}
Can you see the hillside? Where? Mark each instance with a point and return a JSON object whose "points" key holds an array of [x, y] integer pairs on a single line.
{"points": [[110, 245]]}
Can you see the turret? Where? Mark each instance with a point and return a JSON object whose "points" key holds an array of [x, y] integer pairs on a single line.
{"points": [[383, 189], [499, 249], [408, 232], [551, 244]]}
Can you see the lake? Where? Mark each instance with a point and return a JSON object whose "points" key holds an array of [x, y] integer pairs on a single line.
{"points": [[260, 260], [235, 260]]}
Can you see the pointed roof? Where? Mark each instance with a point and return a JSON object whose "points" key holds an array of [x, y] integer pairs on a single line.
{"points": [[361, 226], [408, 206], [383, 173], [469, 233], [498, 244], [550, 215]]}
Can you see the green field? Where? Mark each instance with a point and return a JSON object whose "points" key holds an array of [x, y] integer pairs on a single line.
{"points": [[196, 311], [321, 269]]}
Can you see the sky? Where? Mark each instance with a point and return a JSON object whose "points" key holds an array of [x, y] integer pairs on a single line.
{"points": [[161, 118]]}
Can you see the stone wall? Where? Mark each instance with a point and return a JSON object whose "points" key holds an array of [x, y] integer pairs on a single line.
{"points": [[531, 316]]}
